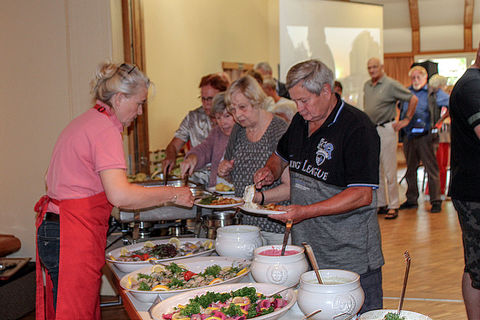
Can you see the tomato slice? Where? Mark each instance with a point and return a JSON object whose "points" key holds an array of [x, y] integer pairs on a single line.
{"points": [[188, 275]]}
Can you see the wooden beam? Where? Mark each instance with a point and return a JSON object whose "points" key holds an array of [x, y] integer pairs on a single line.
{"points": [[415, 25], [467, 25]]}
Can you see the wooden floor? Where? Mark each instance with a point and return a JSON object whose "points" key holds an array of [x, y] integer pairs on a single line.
{"points": [[435, 246]]}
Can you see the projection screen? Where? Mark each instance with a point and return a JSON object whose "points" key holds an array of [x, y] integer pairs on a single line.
{"points": [[343, 35]]}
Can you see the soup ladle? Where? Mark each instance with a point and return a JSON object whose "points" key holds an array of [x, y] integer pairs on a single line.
{"points": [[313, 261], [288, 227]]}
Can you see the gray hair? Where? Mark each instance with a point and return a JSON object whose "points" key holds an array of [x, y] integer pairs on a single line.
{"points": [[269, 83], [314, 74], [437, 81], [111, 79], [218, 104], [264, 66], [251, 89]]}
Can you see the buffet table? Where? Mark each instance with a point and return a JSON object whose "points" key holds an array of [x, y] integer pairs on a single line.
{"points": [[139, 310]]}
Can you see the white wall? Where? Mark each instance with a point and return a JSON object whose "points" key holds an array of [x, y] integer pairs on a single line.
{"points": [[50, 50]]}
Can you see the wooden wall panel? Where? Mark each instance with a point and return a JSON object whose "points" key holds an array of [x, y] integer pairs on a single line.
{"points": [[397, 66]]}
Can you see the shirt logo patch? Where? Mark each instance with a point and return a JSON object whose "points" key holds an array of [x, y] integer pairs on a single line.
{"points": [[324, 151]]}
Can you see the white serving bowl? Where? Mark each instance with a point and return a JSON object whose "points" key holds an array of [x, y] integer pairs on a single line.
{"points": [[129, 266], [284, 270], [379, 314], [339, 300], [238, 241], [193, 264], [167, 305]]}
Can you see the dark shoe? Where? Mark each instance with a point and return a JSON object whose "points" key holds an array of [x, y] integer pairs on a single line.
{"points": [[436, 207], [392, 214], [408, 205], [382, 210]]}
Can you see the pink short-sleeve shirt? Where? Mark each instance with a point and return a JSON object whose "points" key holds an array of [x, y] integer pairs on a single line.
{"points": [[92, 142]]}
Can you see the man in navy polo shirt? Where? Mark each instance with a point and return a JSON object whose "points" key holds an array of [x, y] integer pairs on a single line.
{"points": [[332, 150]]}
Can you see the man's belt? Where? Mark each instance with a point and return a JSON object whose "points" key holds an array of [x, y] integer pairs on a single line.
{"points": [[382, 124]]}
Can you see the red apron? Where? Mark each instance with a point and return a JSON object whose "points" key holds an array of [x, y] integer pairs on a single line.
{"points": [[83, 231]]}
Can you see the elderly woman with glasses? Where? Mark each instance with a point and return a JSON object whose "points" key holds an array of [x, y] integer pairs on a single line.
{"points": [[85, 179], [196, 126], [253, 139]]}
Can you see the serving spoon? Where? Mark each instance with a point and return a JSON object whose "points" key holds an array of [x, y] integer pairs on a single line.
{"points": [[405, 279], [313, 261], [288, 227]]}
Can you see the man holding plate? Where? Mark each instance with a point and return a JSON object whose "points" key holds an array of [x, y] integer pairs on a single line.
{"points": [[332, 150]]}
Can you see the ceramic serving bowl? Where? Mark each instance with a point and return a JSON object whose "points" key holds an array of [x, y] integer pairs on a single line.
{"points": [[270, 267], [129, 266], [379, 314], [166, 306], [340, 297], [238, 241], [195, 265]]}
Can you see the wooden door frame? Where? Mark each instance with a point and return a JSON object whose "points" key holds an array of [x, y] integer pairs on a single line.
{"points": [[134, 52]]}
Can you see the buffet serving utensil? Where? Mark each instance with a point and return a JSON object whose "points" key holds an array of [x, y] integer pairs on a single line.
{"points": [[288, 226], [281, 290], [157, 301], [405, 279], [313, 261], [311, 314]]}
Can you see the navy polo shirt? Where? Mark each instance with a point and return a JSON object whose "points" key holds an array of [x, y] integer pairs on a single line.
{"points": [[343, 152]]}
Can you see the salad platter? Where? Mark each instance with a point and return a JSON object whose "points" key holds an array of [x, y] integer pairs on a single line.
{"points": [[252, 298], [174, 277], [136, 256]]}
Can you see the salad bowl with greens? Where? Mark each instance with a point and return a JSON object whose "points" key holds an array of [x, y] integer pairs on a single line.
{"points": [[228, 301], [174, 277]]}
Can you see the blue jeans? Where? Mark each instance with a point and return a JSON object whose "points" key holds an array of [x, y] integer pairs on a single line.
{"points": [[48, 242]]}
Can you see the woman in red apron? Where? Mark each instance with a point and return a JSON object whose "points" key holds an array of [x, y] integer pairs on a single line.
{"points": [[85, 179]]}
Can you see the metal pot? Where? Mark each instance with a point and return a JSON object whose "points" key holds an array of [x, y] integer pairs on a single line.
{"points": [[219, 219]]}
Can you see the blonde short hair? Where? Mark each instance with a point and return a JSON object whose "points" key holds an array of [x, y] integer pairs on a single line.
{"points": [[251, 89], [111, 79]]}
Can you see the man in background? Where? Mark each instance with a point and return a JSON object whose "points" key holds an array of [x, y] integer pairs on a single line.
{"points": [[266, 71], [465, 182], [381, 94], [421, 138], [283, 107]]}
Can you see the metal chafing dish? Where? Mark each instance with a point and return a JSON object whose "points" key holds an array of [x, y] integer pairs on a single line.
{"points": [[169, 216]]}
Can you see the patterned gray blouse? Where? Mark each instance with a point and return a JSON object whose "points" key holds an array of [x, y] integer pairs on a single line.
{"points": [[248, 158]]}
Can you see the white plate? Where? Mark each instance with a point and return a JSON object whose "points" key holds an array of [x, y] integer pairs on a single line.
{"points": [[196, 265], [129, 266], [261, 211], [213, 190], [222, 206], [167, 305], [379, 314]]}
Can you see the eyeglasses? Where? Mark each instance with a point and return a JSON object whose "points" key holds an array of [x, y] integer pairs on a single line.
{"points": [[206, 99]]}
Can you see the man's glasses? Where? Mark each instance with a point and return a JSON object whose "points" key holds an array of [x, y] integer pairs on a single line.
{"points": [[206, 99]]}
